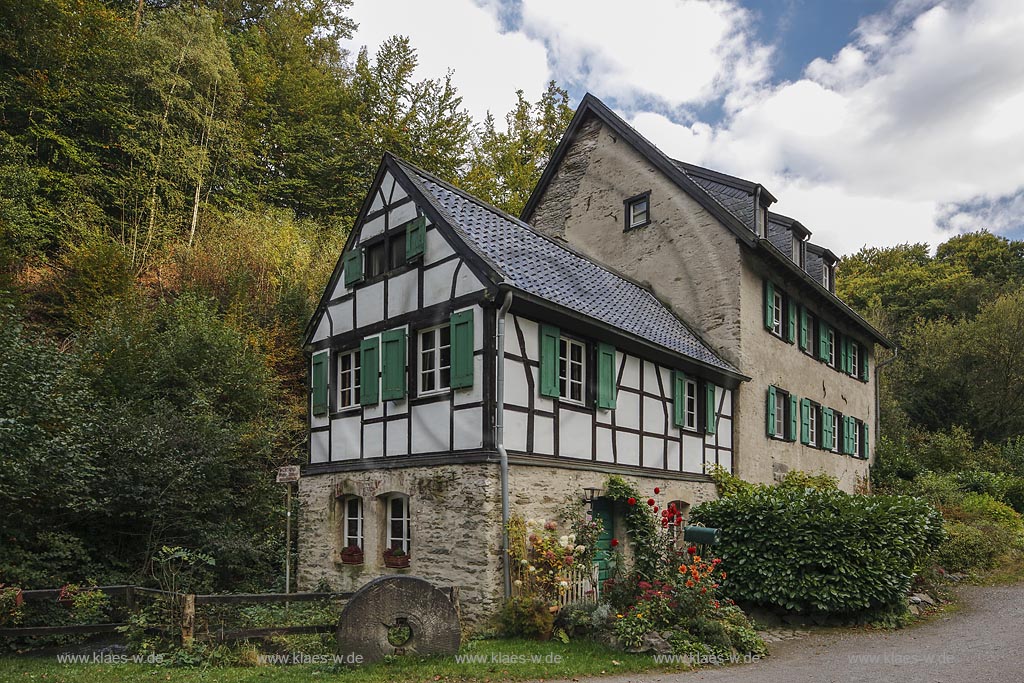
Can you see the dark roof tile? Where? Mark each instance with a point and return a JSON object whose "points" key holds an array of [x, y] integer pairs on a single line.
{"points": [[539, 266]]}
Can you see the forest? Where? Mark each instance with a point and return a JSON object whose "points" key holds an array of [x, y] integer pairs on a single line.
{"points": [[176, 182]]}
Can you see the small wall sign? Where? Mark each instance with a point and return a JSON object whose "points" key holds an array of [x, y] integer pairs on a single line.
{"points": [[288, 474]]}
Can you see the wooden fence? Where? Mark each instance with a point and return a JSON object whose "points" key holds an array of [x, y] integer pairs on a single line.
{"points": [[186, 607]]}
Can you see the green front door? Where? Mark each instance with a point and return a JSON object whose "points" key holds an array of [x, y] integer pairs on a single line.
{"points": [[603, 511]]}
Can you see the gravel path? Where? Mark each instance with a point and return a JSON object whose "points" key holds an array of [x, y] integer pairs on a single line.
{"points": [[983, 641]]}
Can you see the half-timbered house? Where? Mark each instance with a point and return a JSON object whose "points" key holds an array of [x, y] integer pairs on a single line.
{"points": [[645, 317]]}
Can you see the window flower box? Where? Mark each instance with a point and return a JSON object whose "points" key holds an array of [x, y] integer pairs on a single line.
{"points": [[353, 554], [396, 558]]}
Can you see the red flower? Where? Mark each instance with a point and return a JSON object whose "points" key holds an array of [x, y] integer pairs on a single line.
{"points": [[692, 550], [656, 490], [679, 521], [631, 500], [656, 509], [650, 501], [615, 542]]}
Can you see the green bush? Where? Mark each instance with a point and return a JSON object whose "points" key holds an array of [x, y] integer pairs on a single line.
{"points": [[985, 508], [527, 618], [971, 547], [806, 550]]}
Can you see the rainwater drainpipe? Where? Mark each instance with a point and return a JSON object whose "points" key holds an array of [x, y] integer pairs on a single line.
{"points": [[499, 429]]}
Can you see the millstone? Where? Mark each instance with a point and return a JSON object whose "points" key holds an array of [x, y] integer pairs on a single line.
{"points": [[387, 604]]}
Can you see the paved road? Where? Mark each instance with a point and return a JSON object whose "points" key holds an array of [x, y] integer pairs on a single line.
{"points": [[983, 641]]}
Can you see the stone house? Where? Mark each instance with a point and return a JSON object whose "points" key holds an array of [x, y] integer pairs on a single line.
{"points": [[644, 317]]}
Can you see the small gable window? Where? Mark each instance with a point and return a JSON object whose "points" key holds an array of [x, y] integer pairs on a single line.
{"points": [[376, 259], [638, 211]]}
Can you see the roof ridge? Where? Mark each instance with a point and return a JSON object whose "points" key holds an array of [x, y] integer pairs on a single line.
{"points": [[561, 244]]}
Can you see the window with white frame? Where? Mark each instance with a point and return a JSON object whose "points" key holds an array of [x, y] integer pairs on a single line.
{"points": [[398, 531], [854, 358], [856, 424], [832, 347], [348, 379], [571, 363], [638, 211], [354, 522], [777, 313], [691, 405], [435, 359], [781, 406], [812, 424], [837, 421]]}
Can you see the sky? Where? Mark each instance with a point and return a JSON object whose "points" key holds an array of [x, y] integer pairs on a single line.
{"points": [[874, 122]]}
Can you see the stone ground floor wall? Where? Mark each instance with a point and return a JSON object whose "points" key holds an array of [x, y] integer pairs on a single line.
{"points": [[455, 522], [455, 513]]}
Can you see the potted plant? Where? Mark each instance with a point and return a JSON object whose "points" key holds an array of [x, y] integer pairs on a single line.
{"points": [[396, 558], [11, 601], [353, 554]]}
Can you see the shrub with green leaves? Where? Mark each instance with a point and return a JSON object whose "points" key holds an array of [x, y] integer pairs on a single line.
{"points": [[807, 550]]}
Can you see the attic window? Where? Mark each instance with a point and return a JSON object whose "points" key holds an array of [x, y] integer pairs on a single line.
{"points": [[638, 211]]}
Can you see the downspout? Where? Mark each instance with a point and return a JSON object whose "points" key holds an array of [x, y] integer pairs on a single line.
{"points": [[499, 429], [878, 391]]}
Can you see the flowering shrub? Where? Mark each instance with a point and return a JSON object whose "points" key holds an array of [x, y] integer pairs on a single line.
{"points": [[544, 561], [672, 587]]}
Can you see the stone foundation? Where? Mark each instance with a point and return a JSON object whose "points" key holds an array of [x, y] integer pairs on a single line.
{"points": [[455, 523]]}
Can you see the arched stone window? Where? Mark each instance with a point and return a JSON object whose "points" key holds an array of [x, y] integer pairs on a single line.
{"points": [[398, 533]]}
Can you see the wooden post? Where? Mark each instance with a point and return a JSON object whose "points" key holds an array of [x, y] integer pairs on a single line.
{"points": [[288, 550], [188, 619]]}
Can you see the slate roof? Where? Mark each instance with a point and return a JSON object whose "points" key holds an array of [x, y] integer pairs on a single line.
{"points": [[537, 265], [733, 196]]}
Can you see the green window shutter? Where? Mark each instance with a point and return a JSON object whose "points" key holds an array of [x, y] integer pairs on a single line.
{"points": [[804, 337], [549, 360], [770, 412], [863, 369], [791, 330], [805, 421], [710, 406], [319, 383], [848, 427], [794, 416], [605, 376], [393, 365], [769, 305], [844, 353], [415, 237], [826, 428], [353, 266], [369, 373], [678, 398], [462, 349], [823, 341], [864, 440]]}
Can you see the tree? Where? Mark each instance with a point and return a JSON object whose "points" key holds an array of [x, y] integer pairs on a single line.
{"points": [[506, 165]]}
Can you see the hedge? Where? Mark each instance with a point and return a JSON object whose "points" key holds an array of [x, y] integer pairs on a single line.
{"points": [[810, 551]]}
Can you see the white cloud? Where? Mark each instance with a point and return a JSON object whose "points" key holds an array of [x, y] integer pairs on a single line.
{"points": [[913, 130], [677, 52], [489, 65]]}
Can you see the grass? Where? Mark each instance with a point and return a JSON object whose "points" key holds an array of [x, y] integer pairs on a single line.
{"points": [[513, 660]]}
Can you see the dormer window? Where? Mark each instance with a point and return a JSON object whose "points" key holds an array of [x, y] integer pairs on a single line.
{"points": [[638, 211], [827, 277]]}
